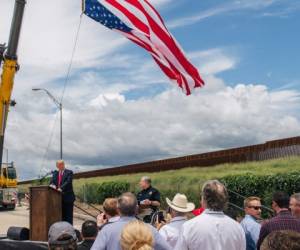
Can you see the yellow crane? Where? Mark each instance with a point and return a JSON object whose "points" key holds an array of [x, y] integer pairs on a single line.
{"points": [[9, 63]]}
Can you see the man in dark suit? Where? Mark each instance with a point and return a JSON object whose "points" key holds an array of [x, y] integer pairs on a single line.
{"points": [[89, 231], [62, 181]]}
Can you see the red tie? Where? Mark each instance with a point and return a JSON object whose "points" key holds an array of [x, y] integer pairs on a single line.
{"points": [[60, 174]]}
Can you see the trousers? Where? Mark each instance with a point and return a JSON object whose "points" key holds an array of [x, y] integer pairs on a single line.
{"points": [[67, 212]]}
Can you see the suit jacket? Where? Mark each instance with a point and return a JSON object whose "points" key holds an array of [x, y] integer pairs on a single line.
{"points": [[85, 245], [66, 185]]}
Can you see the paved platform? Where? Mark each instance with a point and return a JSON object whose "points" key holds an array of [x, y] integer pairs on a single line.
{"points": [[20, 218]]}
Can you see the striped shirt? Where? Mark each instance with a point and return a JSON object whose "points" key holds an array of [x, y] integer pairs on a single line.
{"points": [[283, 221]]}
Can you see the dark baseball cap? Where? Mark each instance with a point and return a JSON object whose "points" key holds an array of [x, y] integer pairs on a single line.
{"points": [[61, 232]]}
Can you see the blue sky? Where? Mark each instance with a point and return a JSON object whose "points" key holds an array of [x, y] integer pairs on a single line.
{"points": [[119, 108], [261, 35]]}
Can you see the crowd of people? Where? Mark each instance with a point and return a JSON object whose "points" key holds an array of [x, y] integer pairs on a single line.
{"points": [[134, 222]]}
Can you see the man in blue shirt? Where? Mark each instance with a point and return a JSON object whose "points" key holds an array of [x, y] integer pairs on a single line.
{"points": [[109, 236], [250, 224]]}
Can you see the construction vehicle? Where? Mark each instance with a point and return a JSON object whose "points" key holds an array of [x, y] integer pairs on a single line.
{"points": [[8, 61]]}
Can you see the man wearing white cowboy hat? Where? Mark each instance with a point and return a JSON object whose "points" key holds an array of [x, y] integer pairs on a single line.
{"points": [[179, 206]]}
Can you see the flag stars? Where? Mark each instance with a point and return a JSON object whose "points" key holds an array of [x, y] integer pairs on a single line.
{"points": [[100, 14]]}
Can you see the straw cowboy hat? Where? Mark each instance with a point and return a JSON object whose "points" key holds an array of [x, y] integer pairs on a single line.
{"points": [[181, 204]]}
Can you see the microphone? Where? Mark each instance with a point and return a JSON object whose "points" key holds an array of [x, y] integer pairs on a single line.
{"points": [[46, 175]]}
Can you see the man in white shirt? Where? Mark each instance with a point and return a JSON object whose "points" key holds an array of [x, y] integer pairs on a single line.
{"points": [[212, 230], [179, 206]]}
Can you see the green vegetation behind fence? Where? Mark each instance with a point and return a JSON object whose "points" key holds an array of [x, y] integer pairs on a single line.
{"points": [[250, 178]]}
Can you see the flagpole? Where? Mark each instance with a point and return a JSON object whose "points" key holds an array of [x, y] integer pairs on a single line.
{"points": [[82, 6]]}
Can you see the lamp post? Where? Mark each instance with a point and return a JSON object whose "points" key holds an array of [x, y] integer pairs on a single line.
{"points": [[59, 105]]}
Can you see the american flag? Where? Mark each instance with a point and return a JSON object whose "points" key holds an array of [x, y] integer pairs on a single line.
{"points": [[142, 24]]}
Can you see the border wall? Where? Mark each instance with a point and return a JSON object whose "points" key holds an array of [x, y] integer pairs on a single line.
{"points": [[266, 151]]}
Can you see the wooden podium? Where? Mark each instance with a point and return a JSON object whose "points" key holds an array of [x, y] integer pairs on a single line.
{"points": [[45, 209]]}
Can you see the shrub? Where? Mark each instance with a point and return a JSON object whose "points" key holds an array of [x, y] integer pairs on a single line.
{"points": [[248, 184], [261, 186], [98, 192]]}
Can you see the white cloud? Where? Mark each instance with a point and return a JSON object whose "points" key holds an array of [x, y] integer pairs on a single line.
{"points": [[230, 6], [103, 100], [158, 3], [108, 130], [214, 61]]}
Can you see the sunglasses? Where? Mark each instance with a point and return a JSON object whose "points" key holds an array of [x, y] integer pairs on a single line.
{"points": [[255, 207]]}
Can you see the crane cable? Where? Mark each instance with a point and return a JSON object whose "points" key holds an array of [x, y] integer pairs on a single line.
{"points": [[72, 58], [63, 91]]}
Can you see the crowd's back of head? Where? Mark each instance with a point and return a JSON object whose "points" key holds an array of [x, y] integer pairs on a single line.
{"points": [[89, 229], [136, 235], [282, 199], [110, 206], [62, 236], [283, 240], [127, 204], [214, 195]]}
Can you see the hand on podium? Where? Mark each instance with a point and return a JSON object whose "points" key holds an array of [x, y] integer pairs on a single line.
{"points": [[59, 189], [52, 186]]}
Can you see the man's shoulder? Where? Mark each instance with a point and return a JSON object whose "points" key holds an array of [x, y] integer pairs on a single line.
{"points": [[68, 171], [248, 221], [194, 221], [249, 224], [154, 190], [275, 220], [164, 228], [281, 220], [205, 218], [232, 222], [86, 244], [113, 226]]}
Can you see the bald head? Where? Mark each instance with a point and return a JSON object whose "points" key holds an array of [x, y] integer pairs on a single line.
{"points": [[127, 204]]}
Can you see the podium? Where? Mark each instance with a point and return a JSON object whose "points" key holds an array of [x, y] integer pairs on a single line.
{"points": [[45, 209]]}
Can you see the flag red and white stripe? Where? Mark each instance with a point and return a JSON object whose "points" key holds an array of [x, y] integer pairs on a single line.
{"points": [[149, 31]]}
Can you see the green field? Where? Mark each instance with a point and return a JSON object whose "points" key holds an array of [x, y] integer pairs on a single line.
{"points": [[192, 178]]}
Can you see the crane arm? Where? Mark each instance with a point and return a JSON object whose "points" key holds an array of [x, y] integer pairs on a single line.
{"points": [[10, 66]]}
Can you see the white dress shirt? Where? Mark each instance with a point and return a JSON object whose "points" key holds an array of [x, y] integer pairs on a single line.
{"points": [[211, 230], [170, 232]]}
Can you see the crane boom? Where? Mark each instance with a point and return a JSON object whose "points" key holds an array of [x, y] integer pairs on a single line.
{"points": [[10, 67]]}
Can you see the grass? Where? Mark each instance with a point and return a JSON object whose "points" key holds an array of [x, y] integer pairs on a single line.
{"points": [[191, 178]]}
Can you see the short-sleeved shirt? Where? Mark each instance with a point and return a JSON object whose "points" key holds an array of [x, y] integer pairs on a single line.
{"points": [[150, 193]]}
